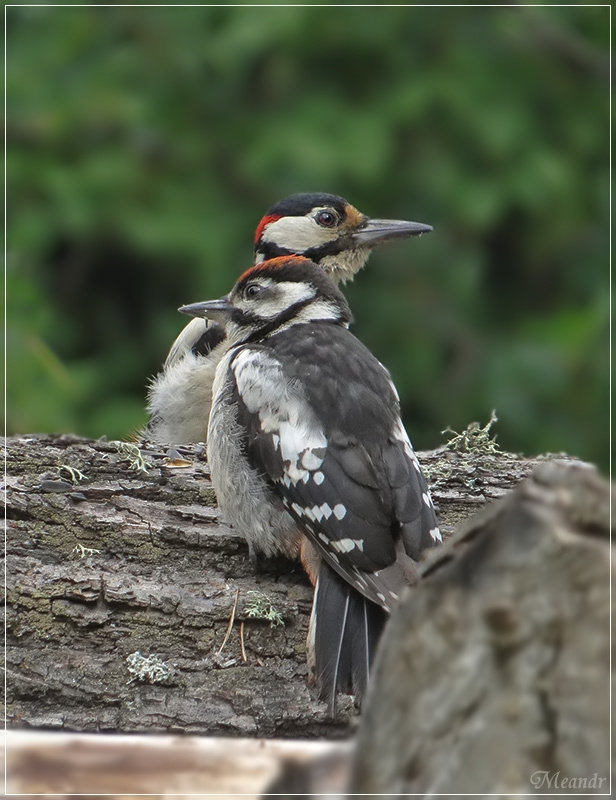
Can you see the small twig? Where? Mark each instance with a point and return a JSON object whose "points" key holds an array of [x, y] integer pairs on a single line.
{"points": [[230, 625], [242, 641]]}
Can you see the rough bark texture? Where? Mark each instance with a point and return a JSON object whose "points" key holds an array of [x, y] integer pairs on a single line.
{"points": [[125, 563], [493, 676]]}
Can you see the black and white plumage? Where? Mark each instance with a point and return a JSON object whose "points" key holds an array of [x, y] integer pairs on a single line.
{"points": [[305, 439], [325, 228]]}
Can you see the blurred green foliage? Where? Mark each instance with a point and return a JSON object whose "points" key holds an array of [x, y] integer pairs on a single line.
{"points": [[145, 143]]}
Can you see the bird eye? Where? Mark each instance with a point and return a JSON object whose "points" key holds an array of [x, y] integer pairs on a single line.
{"points": [[252, 290], [327, 218]]}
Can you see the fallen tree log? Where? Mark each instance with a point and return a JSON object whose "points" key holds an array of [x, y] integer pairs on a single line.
{"points": [[132, 607], [129, 766]]}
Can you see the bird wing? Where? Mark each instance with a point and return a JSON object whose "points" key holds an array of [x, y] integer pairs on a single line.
{"points": [[200, 336], [362, 505]]}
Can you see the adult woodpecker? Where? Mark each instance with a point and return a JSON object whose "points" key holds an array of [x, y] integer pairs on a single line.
{"points": [[305, 440], [323, 227]]}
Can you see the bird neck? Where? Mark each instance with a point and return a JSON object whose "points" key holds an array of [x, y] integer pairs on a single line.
{"points": [[340, 265]]}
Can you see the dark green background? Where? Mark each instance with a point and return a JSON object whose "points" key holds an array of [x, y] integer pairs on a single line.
{"points": [[144, 144]]}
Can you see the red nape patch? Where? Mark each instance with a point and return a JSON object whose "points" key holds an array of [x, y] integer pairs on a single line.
{"points": [[272, 264], [264, 223]]}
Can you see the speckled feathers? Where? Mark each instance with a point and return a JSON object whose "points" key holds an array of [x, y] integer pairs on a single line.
{"points": [[326, 439]]}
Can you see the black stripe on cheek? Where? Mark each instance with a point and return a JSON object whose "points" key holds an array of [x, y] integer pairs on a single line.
{"points": [[339, 245], [270, 250], [267, 326]]}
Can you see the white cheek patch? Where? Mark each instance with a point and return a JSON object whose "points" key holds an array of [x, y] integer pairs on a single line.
{"points": [[320, 309], [317, 310], [286, 294], [297, 234]]}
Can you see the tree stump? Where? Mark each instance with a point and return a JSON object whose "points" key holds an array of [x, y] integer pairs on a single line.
{"points": [[494, 673]]}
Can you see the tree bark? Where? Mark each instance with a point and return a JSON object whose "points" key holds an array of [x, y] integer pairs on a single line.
{"points": [[493, 676], [128, 564]]}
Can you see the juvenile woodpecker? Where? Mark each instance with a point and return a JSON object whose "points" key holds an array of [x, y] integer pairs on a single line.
{"points": [[323, 227], [305, 440]]}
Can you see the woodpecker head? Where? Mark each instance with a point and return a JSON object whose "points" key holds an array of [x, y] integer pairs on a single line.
{"points": [[328, 230], [277, 293]]}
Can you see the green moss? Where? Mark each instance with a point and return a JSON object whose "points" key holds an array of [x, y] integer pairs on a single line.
{"points": [[474, 439], [259, 606]]}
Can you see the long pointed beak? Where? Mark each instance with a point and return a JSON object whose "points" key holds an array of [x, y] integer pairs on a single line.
{"points": [[218, 310], [377, 231]]}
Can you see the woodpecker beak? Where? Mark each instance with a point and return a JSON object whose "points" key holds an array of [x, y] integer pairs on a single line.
{"points": [[218, 310], [377, 231]]}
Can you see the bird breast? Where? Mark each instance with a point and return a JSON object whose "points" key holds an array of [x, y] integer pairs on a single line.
{"points": [[244, 497]]}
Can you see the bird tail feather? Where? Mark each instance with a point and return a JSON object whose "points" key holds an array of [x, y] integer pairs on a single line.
{"points": [[345, 628]]}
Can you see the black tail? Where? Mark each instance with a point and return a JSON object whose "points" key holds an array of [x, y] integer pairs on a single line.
{"points": [[345, 630]]}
